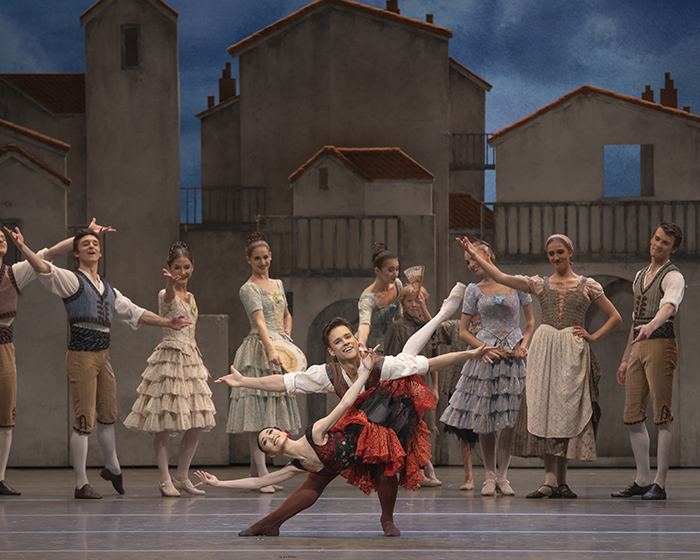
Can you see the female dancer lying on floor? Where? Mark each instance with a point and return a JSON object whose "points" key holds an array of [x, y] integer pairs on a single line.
{"points": [[363, 449]]}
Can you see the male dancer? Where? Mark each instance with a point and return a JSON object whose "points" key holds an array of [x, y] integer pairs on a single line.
{"points": [[649, 361], [336, 377], [91, 304], [13, 279]]}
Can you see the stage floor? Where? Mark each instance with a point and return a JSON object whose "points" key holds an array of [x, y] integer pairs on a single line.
{"points": [[45, 522]]}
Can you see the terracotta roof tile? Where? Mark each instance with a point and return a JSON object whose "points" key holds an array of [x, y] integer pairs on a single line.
{"points": [[60, 94], [378, 12], [35, 135], [483, 83], [16, 149], [372, 163], [465, 212], [587, 90]]}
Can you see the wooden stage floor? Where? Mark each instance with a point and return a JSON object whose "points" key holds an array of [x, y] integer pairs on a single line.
{"points": [[437, 523]]}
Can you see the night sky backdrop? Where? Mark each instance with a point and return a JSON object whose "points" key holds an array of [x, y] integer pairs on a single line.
{"points": [[531, 51]]}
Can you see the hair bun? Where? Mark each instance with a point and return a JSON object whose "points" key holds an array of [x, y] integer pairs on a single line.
{"points": [[177, 250], [255, 237], [378, 248]]}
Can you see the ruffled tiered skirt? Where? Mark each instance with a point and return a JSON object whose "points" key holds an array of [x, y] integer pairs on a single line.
{"points": [[251, 409], [399, 442], [173, 395], [487, 396]]}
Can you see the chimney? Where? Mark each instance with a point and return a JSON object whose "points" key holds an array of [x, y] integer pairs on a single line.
{"points": [[393, 6], [648, 94], [686, 108], [210, 101], [669, 95], [227, 84], [429, 18]]}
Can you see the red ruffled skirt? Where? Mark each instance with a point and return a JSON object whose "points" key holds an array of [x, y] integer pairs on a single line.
{"points": [[379, 446]]}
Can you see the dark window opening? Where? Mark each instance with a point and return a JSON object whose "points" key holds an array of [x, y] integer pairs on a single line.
{"points": [[131, 54], [323, 179]]}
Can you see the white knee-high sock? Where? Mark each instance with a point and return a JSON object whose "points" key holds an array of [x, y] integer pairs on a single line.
{"points": [[663, 453], [78, 457], [5, 444], [160, 445], [421, 337], [639, 438], [106, 439]]}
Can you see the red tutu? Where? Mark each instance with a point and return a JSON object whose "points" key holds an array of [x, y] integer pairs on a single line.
{"points": [[380, 445]]}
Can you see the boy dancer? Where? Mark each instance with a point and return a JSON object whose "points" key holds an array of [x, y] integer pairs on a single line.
{"points": [[649, 361], [13, 279], [91, 304], [336, 377]]}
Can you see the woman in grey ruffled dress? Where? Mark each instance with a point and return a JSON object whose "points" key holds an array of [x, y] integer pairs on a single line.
{"points": [[487, 397]]}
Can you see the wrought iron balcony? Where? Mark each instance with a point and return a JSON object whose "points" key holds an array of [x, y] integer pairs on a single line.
{"points": [[221, 205]]}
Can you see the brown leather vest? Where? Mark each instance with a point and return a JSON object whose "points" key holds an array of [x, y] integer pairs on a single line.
{"points": [[9, 293], [335, 375]]}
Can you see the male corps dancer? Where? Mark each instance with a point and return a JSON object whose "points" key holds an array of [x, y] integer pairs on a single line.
{"points": [[650, 359]]}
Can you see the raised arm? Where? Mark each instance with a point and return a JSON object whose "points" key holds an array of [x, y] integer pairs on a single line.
{"points": [[35, 262], [662, 315], [493, 271], [483, 352], [273, 383], [252, 482], [63, 247], [153, 320]]}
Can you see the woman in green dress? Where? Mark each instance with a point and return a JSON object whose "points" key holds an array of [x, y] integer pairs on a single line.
{"points": [[379, 306], [266, 306]]}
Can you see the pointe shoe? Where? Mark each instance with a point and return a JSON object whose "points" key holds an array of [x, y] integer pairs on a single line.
{"points": [[267, 490], [260, 531], [390, 530], [168, 490], [489, 488], [115, 479], [429, 483], [277, 487], [86, 493], [469, 485], [187, 486], [503, 486]]}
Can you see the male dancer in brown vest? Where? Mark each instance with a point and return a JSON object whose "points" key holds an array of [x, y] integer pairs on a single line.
{"points": [[649, 361], [336, 377], [13, 279]]}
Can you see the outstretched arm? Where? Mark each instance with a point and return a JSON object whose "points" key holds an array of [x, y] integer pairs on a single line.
{"points": [[153, 320], [252, 482], [273, 383], [483, 352], [493, 271], [66, 245], [32, 258]]}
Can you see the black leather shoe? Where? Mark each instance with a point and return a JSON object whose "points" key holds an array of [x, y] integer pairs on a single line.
{"points": [[632, 490], [86, 493], [567, 492], [537, 495], [655, 493], [115, 479], [6, 490]]}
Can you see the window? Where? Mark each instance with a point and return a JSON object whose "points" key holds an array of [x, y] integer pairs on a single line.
{"points": [[131, 46], [323, 178], [629, 170]]}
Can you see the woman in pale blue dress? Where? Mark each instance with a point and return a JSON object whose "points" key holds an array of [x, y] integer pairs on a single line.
{"points": [[487, 397], [379, 304], [266, 307]]}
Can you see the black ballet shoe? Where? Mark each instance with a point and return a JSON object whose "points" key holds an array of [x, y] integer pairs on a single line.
{"points": [[115, 479], [538, 495], [7, 490], [566, 492], [256, 530], [87, 492]]}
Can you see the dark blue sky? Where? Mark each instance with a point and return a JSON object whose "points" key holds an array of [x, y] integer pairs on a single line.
{"points": [[531, 51]]}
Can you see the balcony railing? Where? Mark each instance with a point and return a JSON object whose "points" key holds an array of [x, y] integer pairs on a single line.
{"points": [[221, 205], [597, 229], [471, 152], [327, 245]]}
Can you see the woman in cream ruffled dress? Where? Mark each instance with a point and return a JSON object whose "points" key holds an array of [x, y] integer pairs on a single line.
{"points": [[174, 396]]}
